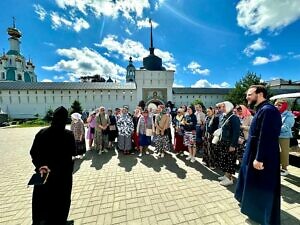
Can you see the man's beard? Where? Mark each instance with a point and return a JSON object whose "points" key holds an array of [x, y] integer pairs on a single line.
{"points": [[252, 104]]}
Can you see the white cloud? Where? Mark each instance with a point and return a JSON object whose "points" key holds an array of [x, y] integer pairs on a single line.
{"points": [[129, 9], [264, 60], [85, 61], [206, 84], [145, 23], [58, 77], [296, 56], [49, 44], [38, 9], [257, 15], [195, 68], [134, 49], [46, 80], [128, 31], [58, 21], [257, 45], [177, 85], [80, 24], [74, 23]]}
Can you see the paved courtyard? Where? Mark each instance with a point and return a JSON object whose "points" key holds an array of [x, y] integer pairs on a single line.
{"points": [[117, 189]]}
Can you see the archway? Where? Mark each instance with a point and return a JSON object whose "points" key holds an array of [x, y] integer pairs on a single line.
{"points": [[153, 103]]}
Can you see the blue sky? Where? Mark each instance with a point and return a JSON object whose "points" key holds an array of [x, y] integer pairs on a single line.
{"points": [[208, 43]]}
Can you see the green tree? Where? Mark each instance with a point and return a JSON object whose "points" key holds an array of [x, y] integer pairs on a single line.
{"points": [[198, 102], [49, 115], [76, 107], [238, 93]]}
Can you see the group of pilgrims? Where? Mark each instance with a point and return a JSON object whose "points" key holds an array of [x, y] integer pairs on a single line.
{"points": [[185, 129]]}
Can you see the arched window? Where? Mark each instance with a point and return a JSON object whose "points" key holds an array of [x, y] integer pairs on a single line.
{"points": [[2, 75], [19, 77]]}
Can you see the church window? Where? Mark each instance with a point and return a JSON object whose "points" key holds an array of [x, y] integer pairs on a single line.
{"points": [[77, 92], [69, 98], [150, 81], [19, 77], [10, 62], [36, 99], [180, 96], [19, 98], [53, 99], [28, 99], [61, 99], [131, 98], [69, 92], [61, 92], [2, 75], [52, 92], [116, 97], [35, 92], [44, 92], [18, 92], [10, 100], [27, 92], [8, 92], [45, 99], [187, 96]]}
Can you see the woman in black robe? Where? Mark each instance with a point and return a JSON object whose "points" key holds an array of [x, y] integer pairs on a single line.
{"points": [[52, 152]]}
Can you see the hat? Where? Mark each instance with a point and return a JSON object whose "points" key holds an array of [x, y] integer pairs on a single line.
{"points": [[126, 107]]}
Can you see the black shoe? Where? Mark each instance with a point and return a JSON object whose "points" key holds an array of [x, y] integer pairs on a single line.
{"points": [[70, 222]]}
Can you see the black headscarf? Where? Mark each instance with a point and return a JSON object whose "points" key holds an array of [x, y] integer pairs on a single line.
{"points": [[60, 117]]}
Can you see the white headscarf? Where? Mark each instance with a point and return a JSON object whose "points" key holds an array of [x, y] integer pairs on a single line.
{"points": [[76, 116], [228, 106]]}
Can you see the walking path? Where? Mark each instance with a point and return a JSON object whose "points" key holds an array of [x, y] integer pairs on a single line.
{"points": [[115, 189]]}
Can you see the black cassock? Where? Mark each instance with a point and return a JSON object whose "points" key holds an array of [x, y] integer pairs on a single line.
{"points": [[258, 191], [53, 147]]}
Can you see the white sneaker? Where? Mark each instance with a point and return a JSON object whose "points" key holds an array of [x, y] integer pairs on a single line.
{"points": [[189, 157], [105, 150], [162, 155], [80, 157], [284, 172], [100, 152], [181, 154], [193, 159], [147, 153], [222, 178], [73, 157], [140, 155], [226, 182]]}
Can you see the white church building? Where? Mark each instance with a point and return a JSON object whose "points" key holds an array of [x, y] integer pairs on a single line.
{"points": [[21, 96]]}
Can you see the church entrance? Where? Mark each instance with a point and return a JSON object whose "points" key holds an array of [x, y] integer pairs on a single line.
{"points": [[153, 103]]}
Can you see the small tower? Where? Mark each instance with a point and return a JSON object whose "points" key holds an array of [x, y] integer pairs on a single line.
{"points": [[130, 74], [14, 39]]}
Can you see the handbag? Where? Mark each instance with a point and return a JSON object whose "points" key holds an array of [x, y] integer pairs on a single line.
{"points": [[149, 132], [112, 127], [218, 132]]}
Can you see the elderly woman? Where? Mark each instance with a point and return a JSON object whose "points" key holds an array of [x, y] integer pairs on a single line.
{"points": [[288, 121], [77, 127], [101, 134], [189, 138], [145, 128], [228, 144], [177, 122], [125, 129]]}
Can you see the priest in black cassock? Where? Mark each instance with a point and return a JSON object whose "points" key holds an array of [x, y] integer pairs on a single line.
{"points": [[258, 186], [52, 152]]}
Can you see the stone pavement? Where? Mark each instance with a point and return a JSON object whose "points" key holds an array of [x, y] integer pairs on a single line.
{"points": [[117, 189]]}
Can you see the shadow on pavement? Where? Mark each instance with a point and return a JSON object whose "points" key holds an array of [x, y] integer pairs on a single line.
{"points": [[288, 219], [127, 161], [293, 180], [289, 195], [99, 160], [168, 160]]}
